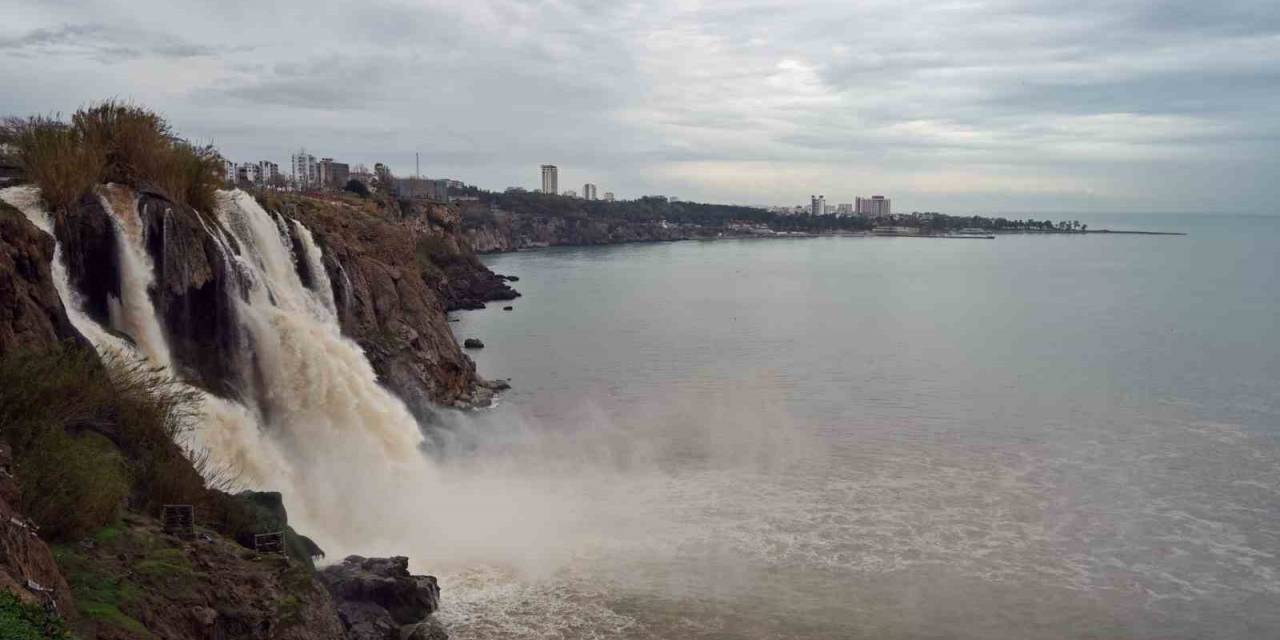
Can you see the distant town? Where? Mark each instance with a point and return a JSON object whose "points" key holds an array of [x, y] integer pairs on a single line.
{"points": [[873, 213], [326, 174]]}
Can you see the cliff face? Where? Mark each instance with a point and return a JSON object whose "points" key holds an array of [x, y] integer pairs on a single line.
{"points": [[515, 231], [31, 313]]}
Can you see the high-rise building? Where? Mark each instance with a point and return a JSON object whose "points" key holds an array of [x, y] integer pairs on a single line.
{"points": [[550, 179], [332, 175], [268, 173], [608, 196], [305, 170], [817, 205], [844, 208], [873, 207], [248, 174], [588, 191]]}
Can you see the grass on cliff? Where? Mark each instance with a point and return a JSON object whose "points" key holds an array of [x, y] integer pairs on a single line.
{"points": [[90, 437], [112, 142], [21, 621]]}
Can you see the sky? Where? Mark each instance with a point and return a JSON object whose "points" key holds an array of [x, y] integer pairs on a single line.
{"points": [[954, 106]]}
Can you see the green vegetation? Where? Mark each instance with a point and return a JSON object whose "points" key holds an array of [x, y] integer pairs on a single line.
{"points": [[357, 187], [21, 621], [109, 593], [112, 142], [647, 209], [90, 436]]}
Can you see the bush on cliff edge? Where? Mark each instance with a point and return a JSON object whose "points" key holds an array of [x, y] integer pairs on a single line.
{"points": [[112, 142]]}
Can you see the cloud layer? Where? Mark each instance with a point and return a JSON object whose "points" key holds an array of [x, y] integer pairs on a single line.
{"points": [[950, 105]]}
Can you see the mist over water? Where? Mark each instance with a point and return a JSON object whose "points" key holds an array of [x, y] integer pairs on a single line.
{"points": [[1032, 437]]}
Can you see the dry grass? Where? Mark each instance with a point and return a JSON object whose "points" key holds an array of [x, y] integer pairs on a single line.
{"points": [[54, 156], [112, 142]]}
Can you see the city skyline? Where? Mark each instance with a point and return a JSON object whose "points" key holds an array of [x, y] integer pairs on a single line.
{"points": [[987, 106]]}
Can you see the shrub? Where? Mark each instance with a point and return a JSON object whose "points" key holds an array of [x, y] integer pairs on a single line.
{"points": [[135, 141], [113, 142], [191, 175], [86, 434], [55, 157], [357, 187], [72, 485]]}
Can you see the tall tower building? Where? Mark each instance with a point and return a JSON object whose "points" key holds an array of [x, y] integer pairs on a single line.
{"points": [[550, 179], [305, 169], [874, 207], [818, 205], [588, 191]]}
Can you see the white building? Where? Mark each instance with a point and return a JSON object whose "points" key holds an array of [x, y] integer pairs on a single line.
{"points": [[608, 196], [873, 207], [571, 194], [550, 179], [248, 173], [306, 171], [589, 191], [844, 209], [268, 173], [817, 205]]}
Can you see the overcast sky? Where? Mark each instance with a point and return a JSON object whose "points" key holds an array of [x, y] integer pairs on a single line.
{"points": [[964, 106]]}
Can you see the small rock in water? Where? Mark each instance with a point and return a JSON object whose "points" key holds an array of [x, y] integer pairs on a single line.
{"points": [[507, 308], [472, 343]]}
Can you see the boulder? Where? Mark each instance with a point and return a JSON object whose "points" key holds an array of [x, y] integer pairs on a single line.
{"points": [[472, 343], [507, 308], [429, 630], [377, 596]]}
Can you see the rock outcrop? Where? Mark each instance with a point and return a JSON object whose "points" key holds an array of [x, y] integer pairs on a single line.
{"points": [[31, 313], [377, 597]]}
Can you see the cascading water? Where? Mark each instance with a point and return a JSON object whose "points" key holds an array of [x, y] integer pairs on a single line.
{"points": [[319, 396], [133, 314]]}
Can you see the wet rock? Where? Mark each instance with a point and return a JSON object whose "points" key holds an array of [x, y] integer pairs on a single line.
{"points": [[507, 308], [472, 343], [429, 630], [376, 596], [31, 313]]}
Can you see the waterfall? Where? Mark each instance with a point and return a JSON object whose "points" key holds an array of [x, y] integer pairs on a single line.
{"points": [[311, 253], [314, 424], [133, 314], [349, 439]]}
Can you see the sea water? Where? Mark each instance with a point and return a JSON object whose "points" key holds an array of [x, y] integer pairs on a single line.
{"points": [[1037, 436]]}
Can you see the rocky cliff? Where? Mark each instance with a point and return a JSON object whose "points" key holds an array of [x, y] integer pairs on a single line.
{"points": [[31, 313]]}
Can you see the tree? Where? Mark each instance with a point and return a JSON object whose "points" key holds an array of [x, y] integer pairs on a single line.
{"points": [[357, 187]]}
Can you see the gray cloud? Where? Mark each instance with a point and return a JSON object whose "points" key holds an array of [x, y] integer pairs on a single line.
{"points": [[1000, 103], [100, 42]]}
